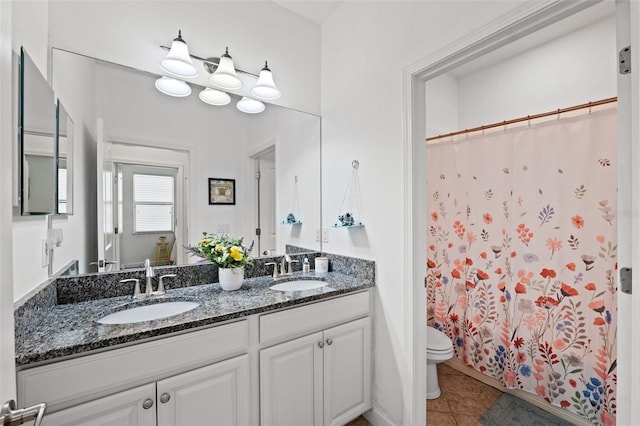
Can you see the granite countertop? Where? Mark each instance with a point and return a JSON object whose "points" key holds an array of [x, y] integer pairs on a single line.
{"points": [[71, 329]]}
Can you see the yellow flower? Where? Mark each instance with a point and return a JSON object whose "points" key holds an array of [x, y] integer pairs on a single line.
{"points": [[236, 253], [205, 241], [219, 248]]}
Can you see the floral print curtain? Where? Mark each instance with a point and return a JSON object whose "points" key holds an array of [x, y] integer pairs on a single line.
{"points": [[521, 268]]}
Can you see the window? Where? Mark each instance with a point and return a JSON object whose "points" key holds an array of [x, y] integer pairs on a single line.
{"points": [[153, 203]]}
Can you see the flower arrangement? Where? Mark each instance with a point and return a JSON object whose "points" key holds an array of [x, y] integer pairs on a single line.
{"points": [[223, 251]]}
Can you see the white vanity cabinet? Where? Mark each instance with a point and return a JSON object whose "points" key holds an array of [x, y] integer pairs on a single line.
{"points": [[304, 365], [163, 382], [135, 407], [214, 395], [322, 378]]}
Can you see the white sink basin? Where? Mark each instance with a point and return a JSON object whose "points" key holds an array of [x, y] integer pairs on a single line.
{"points": [[299, 285], [148, 312]]}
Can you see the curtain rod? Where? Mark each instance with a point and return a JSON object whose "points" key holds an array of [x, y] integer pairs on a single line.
{"points": [[527, 118]]}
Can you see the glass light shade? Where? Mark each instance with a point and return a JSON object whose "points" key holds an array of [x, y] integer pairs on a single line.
{"points": [[172, 87], [178, 62], [214, 97], [265, 88], [250, 106], [225, 76]]}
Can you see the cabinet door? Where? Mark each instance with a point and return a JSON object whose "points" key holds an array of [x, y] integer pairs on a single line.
{"points": [[291, 383], [217, 394], [122, 409], [347, 371]]}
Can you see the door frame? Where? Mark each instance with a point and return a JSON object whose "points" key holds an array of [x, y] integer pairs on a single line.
{"points": [[125, 153], [252, 189], [9, 140], [521, 21]]}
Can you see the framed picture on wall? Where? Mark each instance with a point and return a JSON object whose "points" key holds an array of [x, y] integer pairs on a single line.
{"points": [[222, 191]]}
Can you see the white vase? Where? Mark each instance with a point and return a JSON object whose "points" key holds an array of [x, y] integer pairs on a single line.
{"points": [[231, 278]]}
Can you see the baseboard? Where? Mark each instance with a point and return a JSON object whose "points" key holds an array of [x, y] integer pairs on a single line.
{"points": [[377, 418], [532, 399]]}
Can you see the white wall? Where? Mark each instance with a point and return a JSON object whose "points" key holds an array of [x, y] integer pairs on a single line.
{"points": [[441, 94], [573, 69], [30, 30], [365, 46]]}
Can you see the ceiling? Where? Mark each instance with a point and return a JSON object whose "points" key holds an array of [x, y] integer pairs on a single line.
{"points": [[314, 10]]}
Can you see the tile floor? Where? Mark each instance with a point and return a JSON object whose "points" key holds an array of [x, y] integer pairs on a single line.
{"points": [[463, 401]]}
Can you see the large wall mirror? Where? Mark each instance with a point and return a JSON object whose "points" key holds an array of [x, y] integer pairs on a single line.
{"points": [[37, 140], [167, 159]]}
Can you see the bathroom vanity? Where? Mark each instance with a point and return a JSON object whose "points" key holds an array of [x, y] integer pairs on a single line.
{"points": [[252, 356]]}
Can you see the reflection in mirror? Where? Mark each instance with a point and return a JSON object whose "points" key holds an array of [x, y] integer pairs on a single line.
{"points": [[127, 122], [65, 161], [36, 123]]}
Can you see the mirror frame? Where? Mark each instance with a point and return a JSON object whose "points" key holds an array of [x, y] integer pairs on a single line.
{"points": [[21, 139]]}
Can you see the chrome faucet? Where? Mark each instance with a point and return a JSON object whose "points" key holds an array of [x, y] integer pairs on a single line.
{"points": [[137, 294], [149, 274], [275, 268], [285, 268], [161, 290]]}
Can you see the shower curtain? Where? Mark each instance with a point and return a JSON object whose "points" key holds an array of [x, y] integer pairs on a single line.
{"points": [[521, 267]]}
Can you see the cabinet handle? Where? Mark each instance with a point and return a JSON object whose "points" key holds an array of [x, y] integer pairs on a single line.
{"points": [[329, 342], [148, 403], [321, 344], [165, 397]]}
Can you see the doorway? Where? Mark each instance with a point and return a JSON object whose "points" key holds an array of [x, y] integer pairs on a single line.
{"points": [[527, 20], [137, 222], [265, 201], [146, 214]]}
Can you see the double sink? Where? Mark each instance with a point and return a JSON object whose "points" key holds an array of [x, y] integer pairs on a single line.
{"points": [[170, 308]]}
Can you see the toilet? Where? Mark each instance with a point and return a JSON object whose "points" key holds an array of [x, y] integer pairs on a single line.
{"points": [[439, 349]]}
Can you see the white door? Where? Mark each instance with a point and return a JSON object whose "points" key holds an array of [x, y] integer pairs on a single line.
{"points": [[134, 407], [267, 203], [218, 394], [347, 371], [291, 383], [105, 194]]}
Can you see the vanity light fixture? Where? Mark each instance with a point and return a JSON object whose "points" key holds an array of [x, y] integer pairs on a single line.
{"points": [[178, 61], [172, 87], [214, 97], [225, 76], [250, 106], [265, 88]]}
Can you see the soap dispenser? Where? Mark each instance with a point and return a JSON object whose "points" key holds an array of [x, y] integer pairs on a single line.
{"points": [[306, 266]]}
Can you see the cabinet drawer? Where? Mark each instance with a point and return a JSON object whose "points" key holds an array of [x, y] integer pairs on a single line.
{"points": [[78, 380], [317, 316]]}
